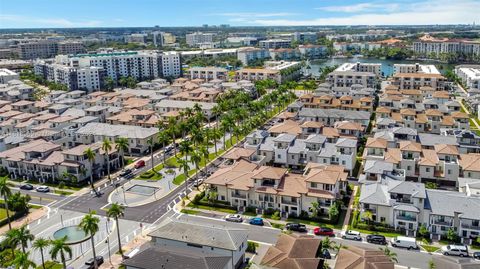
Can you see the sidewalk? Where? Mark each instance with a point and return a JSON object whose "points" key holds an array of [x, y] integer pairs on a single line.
{"points": [[346, 221], [34, 215]]}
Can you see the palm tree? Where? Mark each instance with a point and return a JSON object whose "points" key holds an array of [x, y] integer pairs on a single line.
{"points": [[121, 144], [60, 247], [89, 225], [107, 147], [216, 134], [184, 165], [5, 192], [390, 254], [172, 128], [23, 262], [91, 158], [314, 209], [151, 143], [12, 239], [163, 139], [41, 244], [368, 216], [203, 150], [196, 158], [185, 148], [116, 211], [24, 236], [226, 125], [197, 136]]}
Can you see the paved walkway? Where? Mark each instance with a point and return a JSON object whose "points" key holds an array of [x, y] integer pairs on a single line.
{"points": [[346, 221], [34, 215]]}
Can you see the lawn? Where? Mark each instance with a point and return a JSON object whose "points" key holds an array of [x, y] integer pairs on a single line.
{"points": [[429, 248], [204, 207], [386, 234], [181, 178], [51, 265], [62, 192], [54, 185], [190, 211], [277, 225], [3, 213]]}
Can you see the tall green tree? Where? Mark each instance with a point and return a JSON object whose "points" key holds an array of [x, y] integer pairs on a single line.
{"points": [[89, 225], [151, 143], [22, 261], [59, 247], [107, 147], [172, 129], [163, 139], [41, 244], [5, 192], [23, 237], [121, 145], [116, 211], [90, 154], [196, 158], [185, 167]]}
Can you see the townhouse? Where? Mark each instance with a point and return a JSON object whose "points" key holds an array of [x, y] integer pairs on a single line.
{"points": [[407, 205], [46, 161], [470, 76], [168, 106], [349, 74], [245, 184], [209, 73], [345, 102]]}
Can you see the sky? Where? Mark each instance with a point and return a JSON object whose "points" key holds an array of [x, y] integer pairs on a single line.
{"points": [[145, 13]]}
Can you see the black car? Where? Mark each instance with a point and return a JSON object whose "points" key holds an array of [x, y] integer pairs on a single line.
{"points": [[376, 239], [476, 255], [296, 227], [90, 261], [125, 172], [26, 187]]}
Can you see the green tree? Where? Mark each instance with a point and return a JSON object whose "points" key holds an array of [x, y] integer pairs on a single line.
{"points": [[109, 83], [314, 209], [41, 244], [390, 254], [185, 167], [196, 158], [172, 128], [115, 211], [90, 154], [151, 144], [451, 235], [89, 225], [368, 216], [18, 202], [107, 147], [121, 145], [5, 192], [59, 247], [22, 261], [431, 264], [23, 236], [163, 139], [212, 196], [423, 231], [333, 211]]}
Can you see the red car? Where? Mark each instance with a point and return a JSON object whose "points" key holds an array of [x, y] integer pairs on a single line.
{"points": [[140, 164], [323, 231]]}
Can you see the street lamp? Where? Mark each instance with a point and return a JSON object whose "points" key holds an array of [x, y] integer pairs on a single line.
{"points": [[108, 242]]}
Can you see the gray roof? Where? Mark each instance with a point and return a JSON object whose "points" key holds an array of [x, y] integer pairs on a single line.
{"points": [[334, 113], [316, 139], [346, 142], [447, 203], [297, 147], [404, 130], [258, 134], [288, 138], [169, 258], [374, 193], [385, 121], [328, 150], [224, 238], [110, 130], [74, 112], [377, 166], [414, 189], [405, 207], [387, 135], [267, 145], [433, 139]]}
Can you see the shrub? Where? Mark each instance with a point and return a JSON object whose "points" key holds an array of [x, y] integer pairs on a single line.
{"points": [[252, 247], [251, 209], [276, 215], [292, 215], [169, 171], [303, 215], [269, 211], [198, 197], [147, 174], [61, 185]]}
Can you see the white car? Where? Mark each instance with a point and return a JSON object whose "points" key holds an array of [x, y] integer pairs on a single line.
{"points": [[455, 250], [234, 218], [42, 189], [352, 235], [404, 242]]}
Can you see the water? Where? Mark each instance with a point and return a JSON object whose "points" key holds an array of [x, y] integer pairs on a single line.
{"points": [[144, 190], [73, 233], [387, 65]]}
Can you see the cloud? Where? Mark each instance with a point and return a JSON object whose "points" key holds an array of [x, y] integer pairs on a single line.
{"points": [[426, 12], [254, 14], [360, 7], [48, 22]]}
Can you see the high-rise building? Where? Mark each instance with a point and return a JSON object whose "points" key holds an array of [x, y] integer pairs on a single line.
{"points": [[196, 38], [48, 49]]}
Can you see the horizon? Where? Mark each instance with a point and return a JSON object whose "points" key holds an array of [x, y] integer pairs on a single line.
{"points": [[56, 14]]}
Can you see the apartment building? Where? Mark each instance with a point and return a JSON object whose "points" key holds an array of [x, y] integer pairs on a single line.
{"points": [[70, 47], [313, 51], [407, 205], [247, 55], [6, 75], [46, 161], [350, 74], [284, 54], [48, 48], [209, 73], [345, 102], [245, 184], [437, 47], [197, 38], [169, 106], [16, 90], [305, 37], [274, 43], [470, 76], [279, 71], [415, 68]]}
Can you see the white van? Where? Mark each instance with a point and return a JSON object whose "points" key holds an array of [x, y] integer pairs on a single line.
{"points": [[404, 242], [455, 250]]}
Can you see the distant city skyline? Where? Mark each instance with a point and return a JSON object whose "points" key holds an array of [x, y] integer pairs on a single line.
{"points": [[144, 13]]}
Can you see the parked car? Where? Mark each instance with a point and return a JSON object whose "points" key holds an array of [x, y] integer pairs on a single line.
{"points": [[323, 231], [28, 187], [42, 189], [376, 239], [476, 255], [198, 182], [91, 264], [234, 218], [352, 235], [296, 227], [139, 164], [257, 221], [126, 172], [455, 250], [325, 254], [404, 242]]}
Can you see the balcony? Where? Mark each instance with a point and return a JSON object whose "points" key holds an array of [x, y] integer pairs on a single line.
{"points": [[442, 223], [471, 227], [288, 202], [406, 218]]}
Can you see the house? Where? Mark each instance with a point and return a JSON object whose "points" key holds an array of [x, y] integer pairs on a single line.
{"points": [[362, 258], [203, 240], [292, 251]]}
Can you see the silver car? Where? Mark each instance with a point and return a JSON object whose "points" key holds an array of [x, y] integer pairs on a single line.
{"points": [[234, 218]]}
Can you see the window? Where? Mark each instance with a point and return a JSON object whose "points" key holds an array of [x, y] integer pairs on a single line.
{"points": [[279, 156], [449, 171], [427, 169]]}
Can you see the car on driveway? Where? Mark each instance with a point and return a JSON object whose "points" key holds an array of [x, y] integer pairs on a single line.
{"points": [[42, 189], [296, 227], [376, 239], [27, 187], [234, 218], [323, 231], [257, 221], [139, 164], [352, 235]]}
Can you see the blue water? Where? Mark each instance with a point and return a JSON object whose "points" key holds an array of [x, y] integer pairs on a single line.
{"points": [[387, 65], [73, 233]]}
